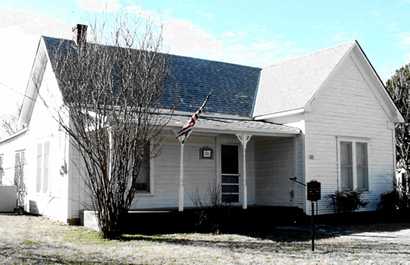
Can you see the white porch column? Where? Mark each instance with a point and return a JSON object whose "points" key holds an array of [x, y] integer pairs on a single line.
{"points": [[181, 180], [244, 139]]}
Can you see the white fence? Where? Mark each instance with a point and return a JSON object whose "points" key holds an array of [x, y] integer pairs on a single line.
{"points": [[8, 198]]}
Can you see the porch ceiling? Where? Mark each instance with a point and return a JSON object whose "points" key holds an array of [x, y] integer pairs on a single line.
{"points": [[234, 126]]}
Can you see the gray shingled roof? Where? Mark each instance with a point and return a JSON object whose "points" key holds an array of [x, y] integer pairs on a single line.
{"points": [[190, 80]]}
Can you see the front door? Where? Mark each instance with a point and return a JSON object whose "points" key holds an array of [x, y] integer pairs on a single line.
{"points": [[229, 174]]}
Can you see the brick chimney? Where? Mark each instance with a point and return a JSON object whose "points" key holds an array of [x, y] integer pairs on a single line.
{"points": [[80, 35]]}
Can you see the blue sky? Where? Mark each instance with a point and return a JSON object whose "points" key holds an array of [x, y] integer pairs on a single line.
{"points": [[256, 33]]}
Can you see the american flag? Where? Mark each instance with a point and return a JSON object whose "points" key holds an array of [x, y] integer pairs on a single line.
{"points": [[186, 131]]}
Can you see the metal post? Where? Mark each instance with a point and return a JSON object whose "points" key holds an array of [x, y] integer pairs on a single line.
{"points": [[181, 180], [313, 225]]}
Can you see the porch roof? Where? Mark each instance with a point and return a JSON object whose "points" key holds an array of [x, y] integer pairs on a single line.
{"points": [[234, 126]]}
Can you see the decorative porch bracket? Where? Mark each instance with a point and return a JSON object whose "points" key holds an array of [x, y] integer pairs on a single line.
{"points": [[244, 139]]}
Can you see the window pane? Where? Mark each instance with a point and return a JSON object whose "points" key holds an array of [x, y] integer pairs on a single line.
{"points": [[38, 175], [230, 188], [230, 198], [144, 176], [229, 159], [346, 168], [361, 154], [362, 166], [230, 179], [346, 153], [347, 178]]}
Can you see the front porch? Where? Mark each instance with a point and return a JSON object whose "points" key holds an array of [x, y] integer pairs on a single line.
{"points": [[247, 163]]}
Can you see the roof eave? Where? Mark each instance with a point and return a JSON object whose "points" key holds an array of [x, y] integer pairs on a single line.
{"points": [[397, 117], [280, 114], [260, 132], [14, 135]]}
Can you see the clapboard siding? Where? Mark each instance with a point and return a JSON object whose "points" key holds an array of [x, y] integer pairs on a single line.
{"points": [[274, 165], [43, 128], [200, 175], [347, 107], [299, 190]]}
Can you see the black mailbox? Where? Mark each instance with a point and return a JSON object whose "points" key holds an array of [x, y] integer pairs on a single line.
{"points": [[313, 191]]}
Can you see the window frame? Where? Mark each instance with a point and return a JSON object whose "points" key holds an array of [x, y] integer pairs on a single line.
{"points": [[367, 166], [42, 161], [353, 141], [349, 166], [151, 192]]}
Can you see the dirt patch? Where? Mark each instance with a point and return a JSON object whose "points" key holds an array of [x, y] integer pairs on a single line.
{"points": [[37, 240]]}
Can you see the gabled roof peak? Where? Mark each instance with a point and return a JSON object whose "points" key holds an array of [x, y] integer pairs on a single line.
{"points": [[290, 84], [341, 46]]}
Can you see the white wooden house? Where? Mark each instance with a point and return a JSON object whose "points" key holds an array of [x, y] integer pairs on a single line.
{"points": [[325, 116]]}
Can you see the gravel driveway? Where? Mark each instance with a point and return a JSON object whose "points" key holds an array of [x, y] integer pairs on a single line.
{"points": [[37, 240]]}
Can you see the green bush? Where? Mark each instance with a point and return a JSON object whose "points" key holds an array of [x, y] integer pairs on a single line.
{"points": [[346, 201]]}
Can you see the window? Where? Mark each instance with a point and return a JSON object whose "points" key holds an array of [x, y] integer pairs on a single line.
{"points": [[42, 170], [362, 167], [230, 174], [346, 165], [353, 161], [143, 180], [1, 170]]}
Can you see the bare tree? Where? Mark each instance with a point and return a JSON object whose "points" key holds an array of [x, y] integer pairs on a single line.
{"points": [[19, 181], [112, 97], [9, 123]]}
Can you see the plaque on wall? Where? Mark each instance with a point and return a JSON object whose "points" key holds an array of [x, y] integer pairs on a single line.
{"points": [[206, 153]]}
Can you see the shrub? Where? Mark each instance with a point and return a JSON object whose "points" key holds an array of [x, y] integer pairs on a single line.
{"points": [[394, 204], [346, 201]]}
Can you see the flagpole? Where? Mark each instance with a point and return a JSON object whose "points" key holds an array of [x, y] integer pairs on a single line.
{"points": [[185, 132], [181, 180]]}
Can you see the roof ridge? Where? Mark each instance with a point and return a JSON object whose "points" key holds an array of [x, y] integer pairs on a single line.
{"points": [[312, 53]]}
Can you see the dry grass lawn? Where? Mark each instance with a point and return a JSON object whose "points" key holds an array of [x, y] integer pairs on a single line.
{"points": [[37, 240]]}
